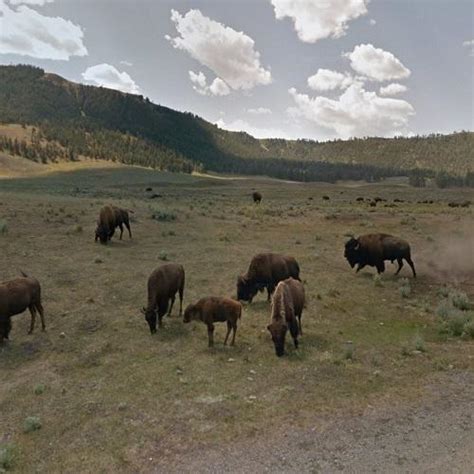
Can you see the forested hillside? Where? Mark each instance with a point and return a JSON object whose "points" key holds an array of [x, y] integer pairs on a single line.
{"points": [[101, 123]]}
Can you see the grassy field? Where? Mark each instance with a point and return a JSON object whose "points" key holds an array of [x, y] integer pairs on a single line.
{"points": [[112, 398]]}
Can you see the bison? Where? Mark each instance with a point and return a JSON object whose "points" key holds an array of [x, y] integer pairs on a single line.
{"points": [[265, 271], [163, 284], [287, 308], [214, 309], [374, 249], [111, 217], [257, 197], [15, 296]]}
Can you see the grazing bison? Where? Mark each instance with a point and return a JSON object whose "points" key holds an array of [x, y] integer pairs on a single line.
{"points": [[257, 197], [214, 309], [163, 284], [265, 271], [326, 198], [287, 307], [111, 217], [374, 249], [15, 296]]}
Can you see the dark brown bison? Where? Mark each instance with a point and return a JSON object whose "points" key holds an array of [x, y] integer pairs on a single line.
{"points": [[374, 249], [111, 217], [214, 309], [265, 271], [163, 284], [15, 296], [287, 307], [257, 197]]}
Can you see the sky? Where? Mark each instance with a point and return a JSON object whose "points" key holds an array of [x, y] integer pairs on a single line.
{"points": [[317, 69]]}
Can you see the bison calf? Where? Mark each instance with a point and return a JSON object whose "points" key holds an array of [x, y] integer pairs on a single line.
{"points": [[15, 296], [287, 308], [163, 284], [214, 309], [257, 197], [374, 249]]}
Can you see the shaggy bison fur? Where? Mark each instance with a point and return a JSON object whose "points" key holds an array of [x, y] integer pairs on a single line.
{"points": [[163, 284], [374, 249], [111, 217], [287, 308], [265, 271], [15, 297]]}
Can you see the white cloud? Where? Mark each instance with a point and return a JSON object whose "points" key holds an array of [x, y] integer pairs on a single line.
{"points": [[259, 111], [30, 2], [372, 22], [28, 33], [126, 63], [199, 80], [356, 113], [230, 54], [376, 64], [393, 89], [469, 44], [327, 80], [318, 19], [256, 131], [108, 76]]}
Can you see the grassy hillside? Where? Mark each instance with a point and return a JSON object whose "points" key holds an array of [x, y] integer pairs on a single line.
{"points": [[107, 124]]}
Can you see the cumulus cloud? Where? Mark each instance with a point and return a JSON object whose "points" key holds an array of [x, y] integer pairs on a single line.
{"points": [[315, 20], [393, 89], [327, 80], [30, 2], [259, 111], [470, 45], [108, 76], [199, 80], [28, 33], [230, 54], [376, 64], [356, 113], [256, 131], [126, 63]]}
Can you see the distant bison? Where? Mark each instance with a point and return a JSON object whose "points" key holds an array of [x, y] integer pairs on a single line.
{"points": [[359, 199], [111, 217], [374, 249], [214, 309], [326, 198], [163, 284], [257, 197], [287, 308], [265, 271], [15, 296]]}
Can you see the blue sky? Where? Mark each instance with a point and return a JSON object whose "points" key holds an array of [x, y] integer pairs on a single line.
{"points": [[318, 69]]}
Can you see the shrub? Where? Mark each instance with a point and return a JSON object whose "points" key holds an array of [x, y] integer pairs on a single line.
{"points": [[455, 324], [31, 423], [460, 300], [163, 216], [348, 351], [39, 389], [7, 456], [163, 256], [469, 329], [377, 280], [3, 227], [419, 343], [405, 288]]}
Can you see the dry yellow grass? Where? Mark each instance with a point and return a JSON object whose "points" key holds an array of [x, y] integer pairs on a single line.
{"points": [[116, 397]]}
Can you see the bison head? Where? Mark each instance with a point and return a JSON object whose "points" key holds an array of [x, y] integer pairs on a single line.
{"points": [[102, 234], [245, 289], [190, 314], [278, 332], [352, 251], [150, 317]]}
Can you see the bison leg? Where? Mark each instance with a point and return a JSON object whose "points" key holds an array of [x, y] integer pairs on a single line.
{"points": [[171, 305], [380, 267], [270, 290], [400, 265], [299, 325], [412, 265], [127, 225], [229, 328], [33, 318], [40, 309], [121, 230], [360, 266], [234, 327], [181, 290], [294, 332], [210, 334]]}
